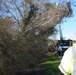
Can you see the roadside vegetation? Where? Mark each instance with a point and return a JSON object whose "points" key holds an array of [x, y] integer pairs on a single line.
{"points": [[48, 67], [24, 29]]}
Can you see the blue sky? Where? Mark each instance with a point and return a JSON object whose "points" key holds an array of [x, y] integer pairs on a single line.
{"points": [[69, 27]]}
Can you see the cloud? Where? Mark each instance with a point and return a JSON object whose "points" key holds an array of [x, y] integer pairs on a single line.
{"points": [[71, 36], [66, 36]]}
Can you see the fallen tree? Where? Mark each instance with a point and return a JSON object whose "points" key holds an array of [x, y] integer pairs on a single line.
{"points": [[29, 48]]}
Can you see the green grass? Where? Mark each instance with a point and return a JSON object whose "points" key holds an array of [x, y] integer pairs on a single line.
{"points": [[51, 65]]}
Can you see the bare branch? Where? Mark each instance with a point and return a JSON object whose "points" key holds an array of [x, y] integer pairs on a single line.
{"points": [[49, 18], [17, 8]]}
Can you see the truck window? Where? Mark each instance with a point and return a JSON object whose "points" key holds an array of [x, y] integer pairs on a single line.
{"points": [[64, 44]]}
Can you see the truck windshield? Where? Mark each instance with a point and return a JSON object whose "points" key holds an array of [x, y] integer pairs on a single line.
{"points": [[64, 44]]}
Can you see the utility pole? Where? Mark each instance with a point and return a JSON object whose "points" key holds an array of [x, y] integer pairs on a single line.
{"points": [[60, 31]]}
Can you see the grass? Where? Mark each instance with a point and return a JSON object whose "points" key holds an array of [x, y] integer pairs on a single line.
{"points": [[51, 65]]}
